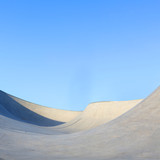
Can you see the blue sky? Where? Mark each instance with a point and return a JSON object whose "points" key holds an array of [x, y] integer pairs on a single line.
{"points": [[66, 54]]}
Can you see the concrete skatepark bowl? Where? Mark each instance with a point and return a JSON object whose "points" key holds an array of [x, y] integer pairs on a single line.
{"points": [[114, 130]]}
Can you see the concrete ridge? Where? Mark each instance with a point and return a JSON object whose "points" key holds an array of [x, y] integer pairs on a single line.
{"points": [[114, 101], [36, 103]]}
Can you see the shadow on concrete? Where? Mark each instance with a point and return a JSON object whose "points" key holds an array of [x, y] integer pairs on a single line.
{"points": [[15, 110]]}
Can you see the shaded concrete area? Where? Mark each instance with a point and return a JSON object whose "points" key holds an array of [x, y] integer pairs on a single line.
{"points": [[33, 113], [128, 130]]}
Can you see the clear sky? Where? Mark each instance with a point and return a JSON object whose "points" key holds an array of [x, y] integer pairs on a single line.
{"points": [[68, 53]]}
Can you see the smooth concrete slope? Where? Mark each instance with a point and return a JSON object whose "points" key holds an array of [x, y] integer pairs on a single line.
{"points": [[97, 114], [9, 122], [94, 115], [134, 135], [33, 113]]}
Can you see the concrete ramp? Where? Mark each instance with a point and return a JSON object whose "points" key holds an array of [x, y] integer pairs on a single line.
{"points": [[33, 113], [97, 114], [131, 133]]}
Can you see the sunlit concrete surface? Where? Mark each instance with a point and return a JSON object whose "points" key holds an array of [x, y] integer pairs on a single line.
{"points": [[113, 130]]}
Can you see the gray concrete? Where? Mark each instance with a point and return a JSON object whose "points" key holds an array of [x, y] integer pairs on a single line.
{"points": [[128, 130]]}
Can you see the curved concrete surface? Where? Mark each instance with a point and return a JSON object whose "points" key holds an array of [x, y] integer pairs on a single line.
{"points": [[97, 114], [122, 132], [34, 113]]}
